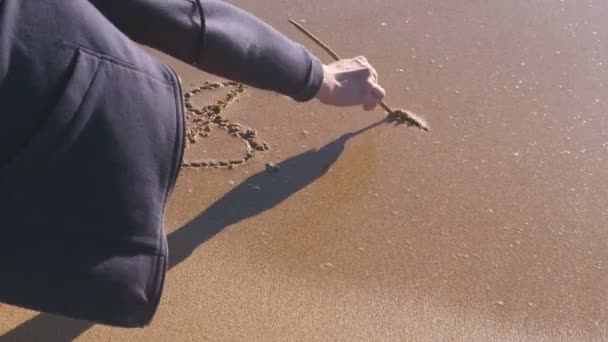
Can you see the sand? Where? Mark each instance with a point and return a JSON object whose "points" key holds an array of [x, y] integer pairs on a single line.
{"points": [[492, 226]]}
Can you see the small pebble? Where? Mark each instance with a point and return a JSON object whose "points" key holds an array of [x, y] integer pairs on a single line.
{"points": [[271, 167], [254, 187], [327, 266]]}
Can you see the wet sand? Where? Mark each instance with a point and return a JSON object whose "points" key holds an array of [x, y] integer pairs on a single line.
{"points": [[490, 227]]}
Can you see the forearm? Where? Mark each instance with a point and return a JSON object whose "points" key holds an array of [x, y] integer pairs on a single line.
{"points": [[239, 46], [227, 42]]}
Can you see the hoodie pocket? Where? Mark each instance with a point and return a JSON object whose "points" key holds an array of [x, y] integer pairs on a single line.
{"points": [[53, 137]]}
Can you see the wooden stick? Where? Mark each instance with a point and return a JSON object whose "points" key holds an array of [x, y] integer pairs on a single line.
{"points": [[332, 53], [316, 40], [399, 115]]}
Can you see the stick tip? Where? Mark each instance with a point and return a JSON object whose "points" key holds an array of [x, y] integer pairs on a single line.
{"points": [[401, 116]]}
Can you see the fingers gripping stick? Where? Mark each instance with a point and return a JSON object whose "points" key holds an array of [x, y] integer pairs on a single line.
{"points": [[398, 115]]}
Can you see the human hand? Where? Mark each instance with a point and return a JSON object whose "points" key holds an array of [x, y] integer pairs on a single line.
{"points": [[351, 82]]}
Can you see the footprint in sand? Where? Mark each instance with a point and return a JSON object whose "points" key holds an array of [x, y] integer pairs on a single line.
{"points": [[209, 132]]}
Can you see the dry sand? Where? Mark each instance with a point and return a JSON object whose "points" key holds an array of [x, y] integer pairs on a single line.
{"points": [[493, 226]]}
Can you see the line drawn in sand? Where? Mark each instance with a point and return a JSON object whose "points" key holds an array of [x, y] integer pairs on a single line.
{"points": [[201, 121]]}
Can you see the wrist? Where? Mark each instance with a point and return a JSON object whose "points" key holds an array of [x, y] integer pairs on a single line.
{"points": [[327, 85]]}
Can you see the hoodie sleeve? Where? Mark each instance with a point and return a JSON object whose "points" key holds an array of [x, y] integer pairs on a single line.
{"points": [[221, 39]]}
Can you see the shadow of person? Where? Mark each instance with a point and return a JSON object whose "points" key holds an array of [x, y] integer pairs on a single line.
{"points": [[45, 327], [256, 194]]}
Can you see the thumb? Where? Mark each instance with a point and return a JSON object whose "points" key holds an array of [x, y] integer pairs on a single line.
{"points": [[378, 92]]}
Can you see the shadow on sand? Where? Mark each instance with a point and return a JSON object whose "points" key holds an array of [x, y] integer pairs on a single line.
{"points": [[253, 196]]}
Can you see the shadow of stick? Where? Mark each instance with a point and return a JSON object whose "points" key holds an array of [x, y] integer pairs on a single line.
{"points": [[256, 194]]}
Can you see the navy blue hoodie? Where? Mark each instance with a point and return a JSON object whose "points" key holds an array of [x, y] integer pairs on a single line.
{"points": [[91, 140]]}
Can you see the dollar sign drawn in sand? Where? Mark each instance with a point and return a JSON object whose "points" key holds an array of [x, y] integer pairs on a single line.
{"points": [[201, 121]]}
